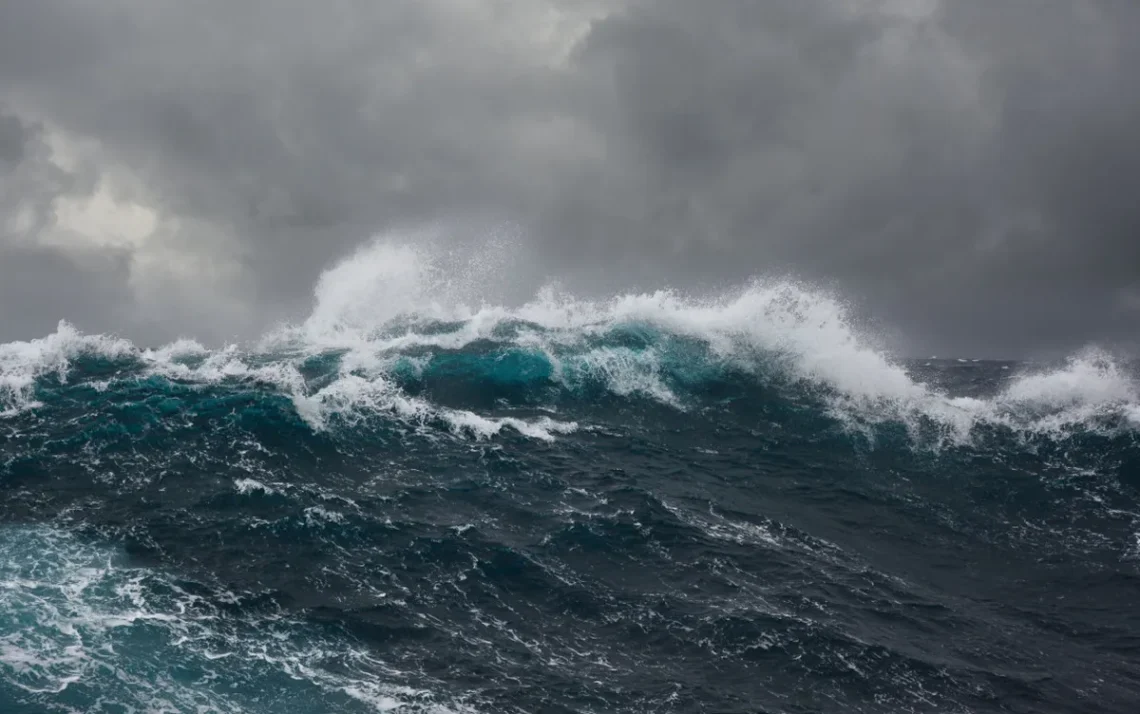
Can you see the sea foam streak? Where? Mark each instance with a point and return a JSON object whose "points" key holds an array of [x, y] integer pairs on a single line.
{"points": [[80, 619], [391, 302]]}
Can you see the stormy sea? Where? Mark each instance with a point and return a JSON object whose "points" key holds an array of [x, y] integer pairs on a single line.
{"points": [[409, 502]]}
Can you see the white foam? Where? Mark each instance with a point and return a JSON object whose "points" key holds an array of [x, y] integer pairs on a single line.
{"points": [[373, 307], [1088, 379], [810, 329], [75, 613], [246, 486], [21, 363], [1091, 386], [809, 333], [370, 289], [180, 348], [353, 397], [361, 388], [624, 371], [314, 515], [223, 365]]}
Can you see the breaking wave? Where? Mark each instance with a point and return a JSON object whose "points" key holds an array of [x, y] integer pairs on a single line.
{"points": [[417, 500], [390, 330]]}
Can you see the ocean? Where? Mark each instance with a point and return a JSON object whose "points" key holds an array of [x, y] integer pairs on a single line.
{"points": [[652, 503]]}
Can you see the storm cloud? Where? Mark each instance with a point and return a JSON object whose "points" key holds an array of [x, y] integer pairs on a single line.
{"points": [[963, 170]]}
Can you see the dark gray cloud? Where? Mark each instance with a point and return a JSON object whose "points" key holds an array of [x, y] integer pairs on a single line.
{"points": [[13, 137], [962, 169], [39, 286]]}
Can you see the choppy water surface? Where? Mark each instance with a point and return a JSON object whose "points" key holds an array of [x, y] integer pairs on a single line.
{"points": [[651, 504]]}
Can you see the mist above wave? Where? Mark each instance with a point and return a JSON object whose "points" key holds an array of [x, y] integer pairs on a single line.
{"points": [[392, 304]]}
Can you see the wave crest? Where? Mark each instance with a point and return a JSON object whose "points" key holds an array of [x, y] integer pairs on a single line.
{"points": [[391, 310], [22, 363]]}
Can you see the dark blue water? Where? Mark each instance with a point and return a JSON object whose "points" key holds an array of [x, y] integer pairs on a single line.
{"points": [[634, 520]]}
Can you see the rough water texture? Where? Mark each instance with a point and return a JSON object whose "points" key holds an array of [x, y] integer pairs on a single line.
{"points": [[655, 503]]}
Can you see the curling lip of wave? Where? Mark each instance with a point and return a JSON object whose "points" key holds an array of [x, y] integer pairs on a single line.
{"points": [[360, 301], [390, 301]]}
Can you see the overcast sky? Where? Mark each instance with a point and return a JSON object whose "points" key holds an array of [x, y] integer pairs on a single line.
{"points": [[966, 171]]}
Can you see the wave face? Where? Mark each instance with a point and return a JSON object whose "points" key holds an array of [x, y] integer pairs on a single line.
{"points": [[415, 502]]}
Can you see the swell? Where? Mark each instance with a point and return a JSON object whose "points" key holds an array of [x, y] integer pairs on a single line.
{"points": [[399, 333], [536, 381], [412, 501]]}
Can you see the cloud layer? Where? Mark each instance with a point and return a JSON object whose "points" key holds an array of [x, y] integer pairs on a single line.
{"points": [[962, 170]]}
